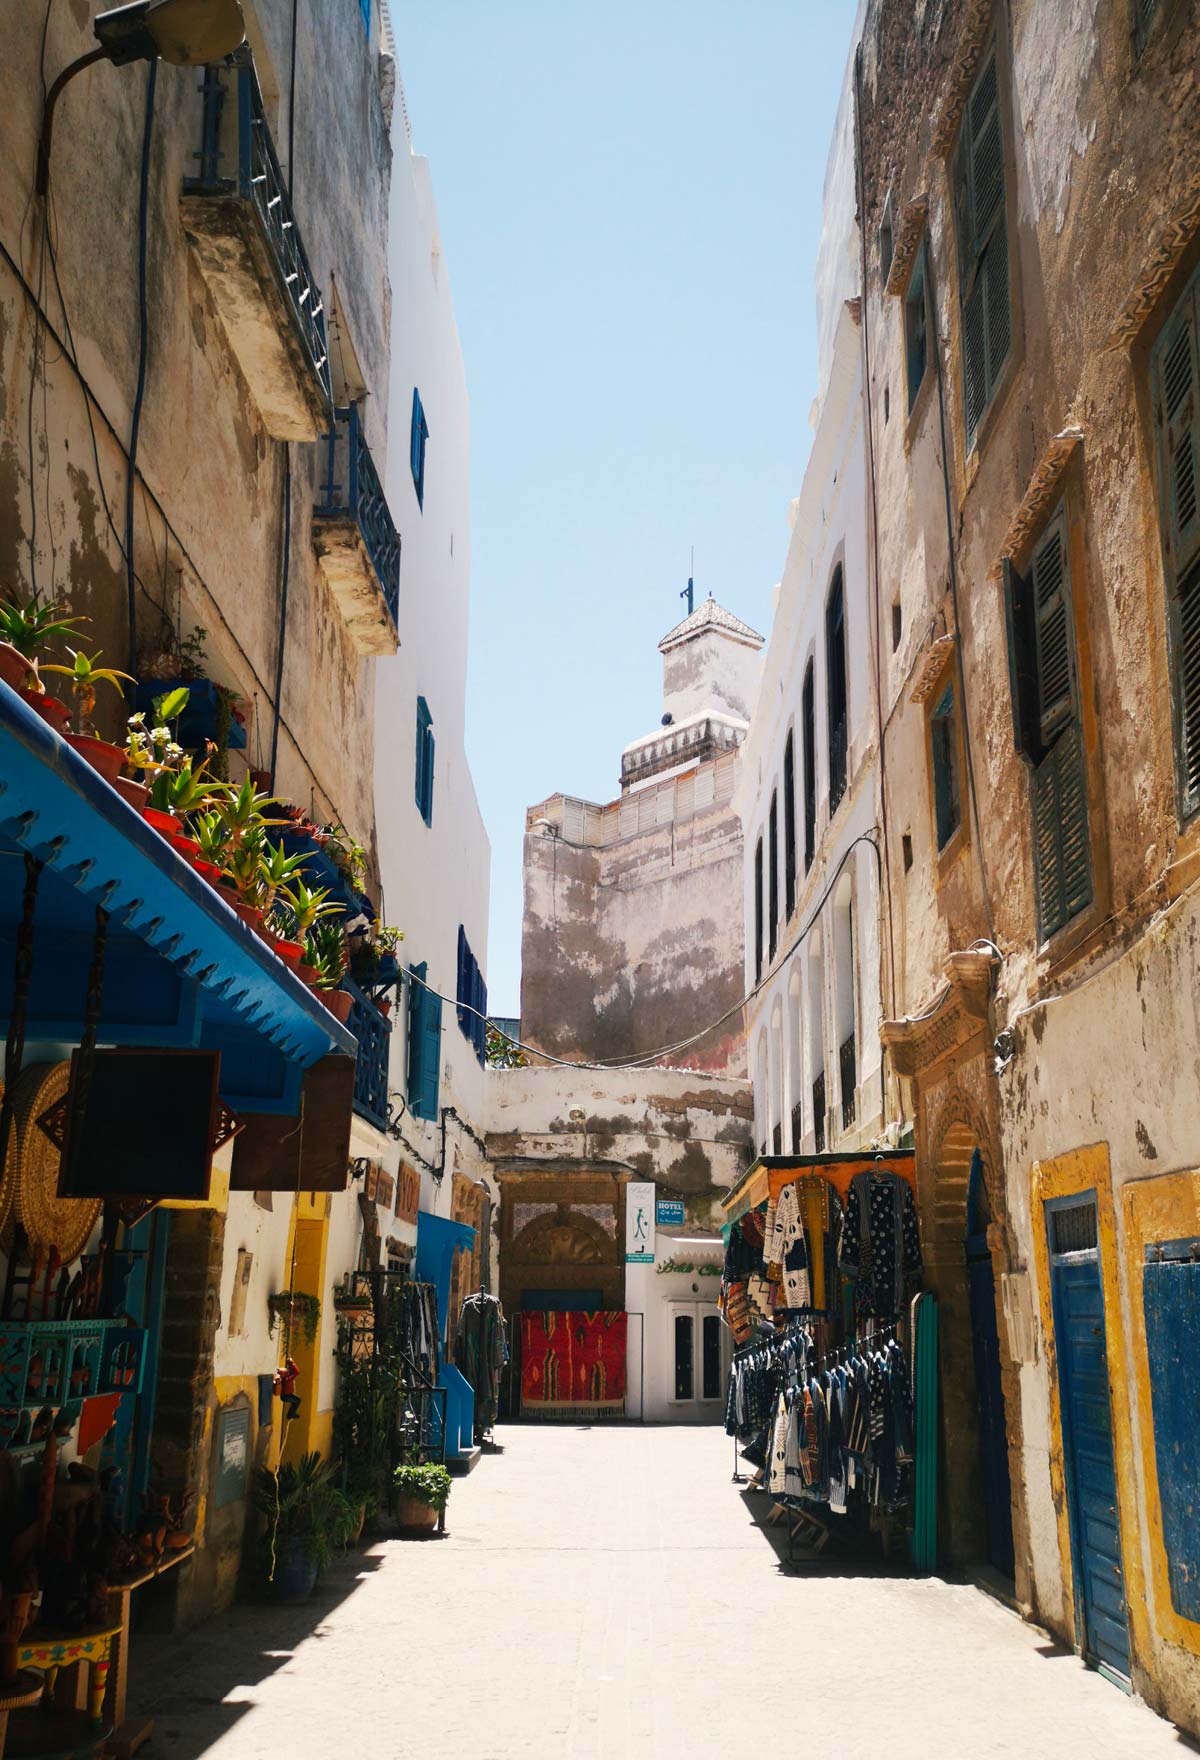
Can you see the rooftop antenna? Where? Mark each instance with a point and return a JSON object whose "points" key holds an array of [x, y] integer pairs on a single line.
{"points": [[689, 592]]}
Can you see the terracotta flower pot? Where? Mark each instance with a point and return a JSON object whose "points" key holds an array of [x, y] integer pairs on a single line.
{"points": [[415, 1515], [306, 974], [384, 1005], [136, 793], [250, 915], [50, 709], [108, 761], [14, 667], [291, 952], [210, 870], [339, 1003], [166, 824]]}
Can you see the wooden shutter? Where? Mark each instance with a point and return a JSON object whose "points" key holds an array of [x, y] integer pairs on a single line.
{"points": [[1061, 845], [1179, 418], [789, 826], [1022, 663], [981, 221], [424, 761], [463, 991], [309, 1153], [424, 1045], [773, 878], [1186, 636], [758, 910], [1054, 643]]}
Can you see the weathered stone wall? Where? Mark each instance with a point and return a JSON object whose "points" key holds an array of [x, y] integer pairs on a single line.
{"points": [[636, 944], [1101, 146]]}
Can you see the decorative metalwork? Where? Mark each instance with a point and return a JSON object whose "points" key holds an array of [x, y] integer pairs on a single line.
{"points": [[848, 1076], [351, 489], [373, 1033], [260, 181]]}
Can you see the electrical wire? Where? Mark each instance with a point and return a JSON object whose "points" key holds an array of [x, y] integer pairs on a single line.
{"points": [[143, 349], [651, 1057]]}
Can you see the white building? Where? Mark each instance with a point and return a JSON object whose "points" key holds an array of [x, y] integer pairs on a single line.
{"points": [[808, 786]]}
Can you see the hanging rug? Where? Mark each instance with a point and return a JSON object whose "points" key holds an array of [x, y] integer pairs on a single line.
{"points": [[48, 1220]]}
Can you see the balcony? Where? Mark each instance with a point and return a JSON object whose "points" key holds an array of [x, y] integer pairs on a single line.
{"points": [[818, 1092], [238, 218], [356, 544], [848, 1078], [374, 1034]]}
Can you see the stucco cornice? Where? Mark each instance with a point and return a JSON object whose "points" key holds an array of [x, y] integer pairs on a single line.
{"points": [[908, 239], [919, 1045], [977, 17], [1039, 498], [1158, 267], [933, 666]]}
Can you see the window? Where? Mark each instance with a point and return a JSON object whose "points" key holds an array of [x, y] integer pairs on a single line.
{"points": [[887, 241], [1145, 15], [789, 827], [416, 447], [702, 1318], [906, 850], [685, 1380], [1041, 655], [364, 7], [773, 878], [897, 625], [472, 997], [810, 767], [982, 226], [943, 739], [835, 682], [424, 769], [424, 1045], [758, 911], [710, 1357], [916, 329], [1177, 415]]}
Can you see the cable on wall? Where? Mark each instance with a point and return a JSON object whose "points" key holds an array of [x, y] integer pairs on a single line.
{"points": [[143, 348]]}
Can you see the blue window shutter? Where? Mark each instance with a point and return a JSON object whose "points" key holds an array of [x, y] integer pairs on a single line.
{"points": [[424, 761], [416, 1039], [429, 750], [424, 1046], [464, 981], [416, 447], [365, 8]]}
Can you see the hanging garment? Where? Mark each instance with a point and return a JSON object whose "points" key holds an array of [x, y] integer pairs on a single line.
{"points": [[777, 1475], [804, 1240], [480, 1352], [881, 1244]]}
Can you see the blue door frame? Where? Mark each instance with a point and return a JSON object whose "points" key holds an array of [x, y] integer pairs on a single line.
{"points": [[985, 1342], [1089, 1460]]}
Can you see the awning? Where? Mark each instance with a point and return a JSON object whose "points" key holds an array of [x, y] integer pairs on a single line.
{"points": [[438, 1239], [180, 968], [766, 1177]]}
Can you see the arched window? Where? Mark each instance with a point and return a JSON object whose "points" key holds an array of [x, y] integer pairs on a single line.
{"points": [[762, 1089], [789, 827], [773, 877], [835, 688], [775, 1078], [758, 911], [816, 1039], [809, 714], [795, 1038], [843, 998]]}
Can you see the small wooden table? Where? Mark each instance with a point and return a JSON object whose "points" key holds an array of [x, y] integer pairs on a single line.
{"points": [[127, 1738], [50, 1651]]}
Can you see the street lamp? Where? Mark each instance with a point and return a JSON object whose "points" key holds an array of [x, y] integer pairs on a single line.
{"points": [[187, 33]]}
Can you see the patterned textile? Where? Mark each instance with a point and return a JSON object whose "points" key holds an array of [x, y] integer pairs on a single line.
{"points": [[806, 1228], [881, 1243], [573, 1363]]}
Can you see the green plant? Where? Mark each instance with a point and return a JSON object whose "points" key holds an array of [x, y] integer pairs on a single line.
{"points": [[301, 1503], [30, 628], [309, 905], [212, 834], [85, 675], [169, 706], [244, 811], [325, 951], [189, 653], [188, 789], [502, 1052], [242, 865], [293, 1305], [275, 869], [349, 856], [427, 1484]]}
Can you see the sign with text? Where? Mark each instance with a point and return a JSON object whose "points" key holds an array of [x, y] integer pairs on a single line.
{"points": [[639, 1222], [408, 1193], [668, 1212]]}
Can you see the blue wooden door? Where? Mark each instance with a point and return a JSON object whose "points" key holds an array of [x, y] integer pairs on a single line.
{"points": [[1171, 1293], [1088, 1455], [985, 1342]]}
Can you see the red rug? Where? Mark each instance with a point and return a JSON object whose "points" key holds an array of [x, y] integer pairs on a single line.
{"points": [[573, 1364]]}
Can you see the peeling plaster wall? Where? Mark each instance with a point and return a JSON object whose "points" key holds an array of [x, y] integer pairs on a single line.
{"points": [[710, 671], [636, 944], [1101, 148]]}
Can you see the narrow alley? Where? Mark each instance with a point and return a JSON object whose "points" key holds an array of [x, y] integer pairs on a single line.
{"points": [[611, 1597]]}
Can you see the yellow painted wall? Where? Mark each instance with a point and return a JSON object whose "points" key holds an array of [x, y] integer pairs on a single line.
{"points": [[1163, 1209], [310, 1429], [1083, 1170]]}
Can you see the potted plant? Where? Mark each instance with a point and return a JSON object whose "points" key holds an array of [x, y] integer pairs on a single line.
{"points": [[325, 952], [275, 869], [419, 1495], [85, 675], [242, 870], [24, 631], [295, 1307], [306, 1519], [211, 837], [304, 906]]}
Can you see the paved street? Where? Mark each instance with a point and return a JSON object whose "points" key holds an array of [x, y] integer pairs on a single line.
{"points": [[607, 1595]]}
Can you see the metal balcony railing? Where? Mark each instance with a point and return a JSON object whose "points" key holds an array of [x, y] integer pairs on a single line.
{"points": [[848, 1077], [777, 1140], [819, 1114], [373, 1033], [797, 1127], [237, 157], [350, 488]]}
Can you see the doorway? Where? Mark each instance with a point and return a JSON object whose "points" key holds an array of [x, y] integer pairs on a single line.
{"points": [[985, 1343], [1089, 1461]]}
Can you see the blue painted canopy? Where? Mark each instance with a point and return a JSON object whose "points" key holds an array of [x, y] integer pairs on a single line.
{"points": [[438, 1239], [181, 969]]}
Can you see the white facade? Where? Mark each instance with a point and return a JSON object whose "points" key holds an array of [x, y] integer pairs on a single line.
{"points": [[813, 888], [436, 875]]}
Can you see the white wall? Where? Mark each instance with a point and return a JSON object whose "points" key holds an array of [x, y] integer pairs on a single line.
{"points": [[829, 529], [434, 877]]}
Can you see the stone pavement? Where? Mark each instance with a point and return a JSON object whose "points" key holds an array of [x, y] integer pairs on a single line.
{"points": [[605, 1594]]}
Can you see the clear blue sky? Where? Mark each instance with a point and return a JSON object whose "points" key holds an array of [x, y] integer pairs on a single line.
{"points": [[630, 206]]}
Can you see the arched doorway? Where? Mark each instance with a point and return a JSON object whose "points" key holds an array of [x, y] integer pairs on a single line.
{"points": [[985, 1341]]}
